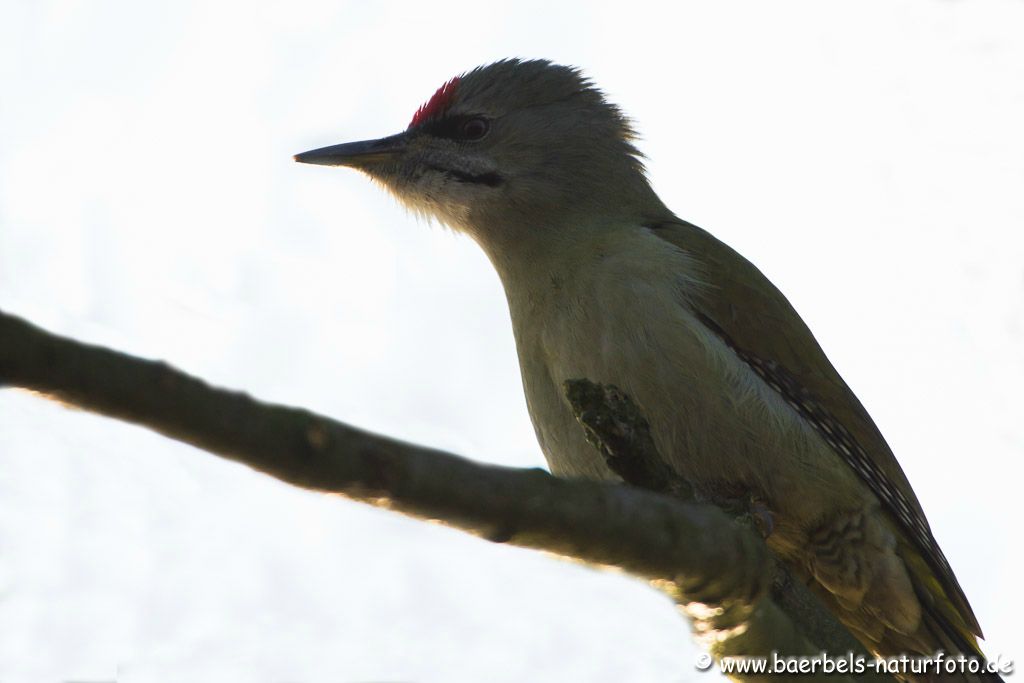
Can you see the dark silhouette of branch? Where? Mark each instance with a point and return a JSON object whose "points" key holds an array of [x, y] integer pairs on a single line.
{"points": [[720, 570]]}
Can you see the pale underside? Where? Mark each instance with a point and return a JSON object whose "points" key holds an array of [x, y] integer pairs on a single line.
{"points": [[621, 314]]}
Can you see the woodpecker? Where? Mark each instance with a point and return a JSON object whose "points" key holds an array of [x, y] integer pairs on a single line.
{"points": [[604, 282]]}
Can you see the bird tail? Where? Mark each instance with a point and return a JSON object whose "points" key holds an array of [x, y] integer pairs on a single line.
{"points": [[946, 667], [944, 629]]}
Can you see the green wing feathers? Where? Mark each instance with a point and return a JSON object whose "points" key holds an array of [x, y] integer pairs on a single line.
{"points": [[743, 307]]}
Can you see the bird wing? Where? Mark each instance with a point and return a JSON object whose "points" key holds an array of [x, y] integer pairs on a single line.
{"points": [[748, 312]]}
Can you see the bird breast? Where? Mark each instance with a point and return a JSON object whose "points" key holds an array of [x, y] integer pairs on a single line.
{"points": [[620, 313]]}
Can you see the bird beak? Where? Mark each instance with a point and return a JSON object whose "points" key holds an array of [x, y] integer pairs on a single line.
{"points": [[356, 154]]}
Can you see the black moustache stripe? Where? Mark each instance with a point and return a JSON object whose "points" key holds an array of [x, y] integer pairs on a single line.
{"points": [[490, 179]]}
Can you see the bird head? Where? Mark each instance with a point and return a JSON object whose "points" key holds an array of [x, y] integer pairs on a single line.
{"points": [[511, 144]]}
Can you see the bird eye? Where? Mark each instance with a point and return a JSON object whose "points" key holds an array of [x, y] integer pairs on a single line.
{"points": [[475, 128]]}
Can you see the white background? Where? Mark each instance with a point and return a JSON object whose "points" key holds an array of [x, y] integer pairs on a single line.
{"points": [[868, 156]]}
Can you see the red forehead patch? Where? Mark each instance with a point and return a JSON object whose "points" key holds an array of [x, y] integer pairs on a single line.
{"points": [[436, 105]]}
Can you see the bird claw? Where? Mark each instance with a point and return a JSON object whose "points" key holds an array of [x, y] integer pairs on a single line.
{"points": [[762, 517]]}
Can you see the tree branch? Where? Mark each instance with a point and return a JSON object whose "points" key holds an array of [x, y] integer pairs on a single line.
{"points": [[693, 550]]}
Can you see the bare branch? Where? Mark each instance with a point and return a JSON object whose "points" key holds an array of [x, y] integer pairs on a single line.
{"points": [[691, 549]]}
